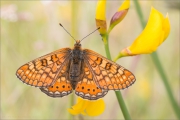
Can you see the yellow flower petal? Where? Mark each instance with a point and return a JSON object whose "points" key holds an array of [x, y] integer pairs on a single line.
{"points": [[74, 112], [147, 42], [155, 32], [101, 16], [101, 10], [81, 104], [119, 15], [79, 107], [125, 5], [95, 108], [86, 107]]}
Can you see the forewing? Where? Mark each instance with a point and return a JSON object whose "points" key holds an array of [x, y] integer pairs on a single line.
{"points": [[87, 88], [42, 72], [108, 74], [62, 86]]}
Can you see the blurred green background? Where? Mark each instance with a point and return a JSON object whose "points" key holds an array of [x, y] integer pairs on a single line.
{"points": [[30, 29]]}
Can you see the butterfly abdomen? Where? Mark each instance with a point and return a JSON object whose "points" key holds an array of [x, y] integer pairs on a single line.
{"points": [[75, 69]]}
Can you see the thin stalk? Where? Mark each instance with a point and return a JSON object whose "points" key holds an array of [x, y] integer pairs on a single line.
{"points": [[139, 11], [159, 67], [118, 93], [106, 45], [122, 105]]}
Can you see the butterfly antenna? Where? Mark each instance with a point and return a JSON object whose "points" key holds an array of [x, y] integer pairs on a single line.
{"points": [[90, 33], [66, 31]]}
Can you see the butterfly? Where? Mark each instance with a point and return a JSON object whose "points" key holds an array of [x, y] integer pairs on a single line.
{"points": [[86, 72]]}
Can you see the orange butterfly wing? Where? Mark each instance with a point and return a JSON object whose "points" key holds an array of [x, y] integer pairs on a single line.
{"points": [[62, 85], [87, 88], [108, 75], [43, 71]]}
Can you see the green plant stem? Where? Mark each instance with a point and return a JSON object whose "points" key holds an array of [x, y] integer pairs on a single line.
{"points": [[159, 67], [106, 45], [122, 105], [139, 11], [118, 93]]}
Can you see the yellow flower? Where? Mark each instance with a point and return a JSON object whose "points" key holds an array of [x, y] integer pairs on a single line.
{"points": [[119, 15], [101, 10], [155, 32], [101, 16], [86, 107], [125, 5]]}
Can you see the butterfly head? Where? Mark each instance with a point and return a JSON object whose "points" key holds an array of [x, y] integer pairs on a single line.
{"points": [[77, 45]]}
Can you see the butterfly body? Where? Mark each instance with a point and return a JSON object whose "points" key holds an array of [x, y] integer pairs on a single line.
{"points": [[76, 65], [86, 72]]}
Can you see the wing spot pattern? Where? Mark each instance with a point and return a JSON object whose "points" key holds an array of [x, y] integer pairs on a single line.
{"points": [[44, 62], [100, 75], [113, 77], [43, 69], [91, 92], [98, 60], [108, 66], [54, 58]]}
